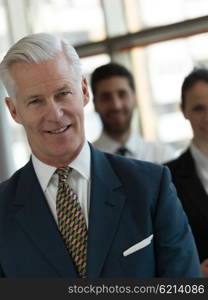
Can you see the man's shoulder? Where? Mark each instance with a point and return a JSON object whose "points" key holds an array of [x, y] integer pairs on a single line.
{"points": [[12, 181], [139, 178], [131, 162], [126, 162], [129, 167], [9, 186]]}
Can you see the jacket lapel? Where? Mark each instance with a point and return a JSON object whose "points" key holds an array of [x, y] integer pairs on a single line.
{"points": [[106, 203], [36, 220], [189, 178]]}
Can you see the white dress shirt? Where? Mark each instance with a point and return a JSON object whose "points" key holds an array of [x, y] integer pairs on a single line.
{"points": [[138, 148], [201, 163], [79, 180]]}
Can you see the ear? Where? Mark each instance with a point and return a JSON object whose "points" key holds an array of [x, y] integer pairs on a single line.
{"points": [[12, 109], [85, 91]]}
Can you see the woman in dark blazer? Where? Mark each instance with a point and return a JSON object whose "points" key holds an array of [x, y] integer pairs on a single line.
{"points": [[190, 170]]}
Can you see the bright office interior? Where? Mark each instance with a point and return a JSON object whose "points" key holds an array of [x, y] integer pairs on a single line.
{"points": [[160, 41]]}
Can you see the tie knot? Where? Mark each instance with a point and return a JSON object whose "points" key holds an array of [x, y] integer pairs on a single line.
{"points": [[63, 173], [122, 150]]}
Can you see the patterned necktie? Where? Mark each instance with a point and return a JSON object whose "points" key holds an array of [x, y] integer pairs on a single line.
{"points": [[71, 222], [122, 151]]}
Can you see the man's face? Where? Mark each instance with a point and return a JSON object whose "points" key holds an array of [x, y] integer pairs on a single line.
{"points": [[49, 104], [115, 100], [196, 110]]}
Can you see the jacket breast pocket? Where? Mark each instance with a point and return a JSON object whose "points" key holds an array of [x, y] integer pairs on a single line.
{"points": [[138, 246], [139, 262]]}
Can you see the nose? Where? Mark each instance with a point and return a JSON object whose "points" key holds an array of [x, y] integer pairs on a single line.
{"points": [[54, 111], [116, 102], [206, 115]]}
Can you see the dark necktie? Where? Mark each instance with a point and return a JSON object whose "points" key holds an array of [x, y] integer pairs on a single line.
{"points": [[71, 222], [122, 151]]}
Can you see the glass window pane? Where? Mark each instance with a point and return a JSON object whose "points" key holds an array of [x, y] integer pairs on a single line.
{"points": [[198, 48], [163, 12], [115, 16], [149, 13], [168, 63], [4, 36], [93, 124], [77, 20], [20, 147], [176, 124], [164, 66]]}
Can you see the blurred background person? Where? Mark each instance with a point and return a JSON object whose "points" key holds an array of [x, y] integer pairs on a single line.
{"points": [[190, 170], [114, 100]]}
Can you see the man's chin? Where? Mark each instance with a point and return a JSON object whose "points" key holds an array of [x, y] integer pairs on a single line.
{"points": [[116, 130], [116, 127]]}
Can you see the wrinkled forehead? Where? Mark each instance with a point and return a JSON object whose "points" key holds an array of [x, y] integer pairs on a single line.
{"points": [[58, 64], [40, 77]]}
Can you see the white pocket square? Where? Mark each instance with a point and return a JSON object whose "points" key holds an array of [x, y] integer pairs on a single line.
{"points": [[138, 246]]}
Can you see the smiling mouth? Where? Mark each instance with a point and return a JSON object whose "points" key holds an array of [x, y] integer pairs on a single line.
{"points": [[58, 131], [116, 114]]}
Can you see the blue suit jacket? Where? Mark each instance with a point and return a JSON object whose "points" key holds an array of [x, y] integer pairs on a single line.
{"points": [[130, 200]]}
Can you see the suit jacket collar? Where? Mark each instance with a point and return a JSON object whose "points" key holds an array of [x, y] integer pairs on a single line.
{"points": [[35, 218], [106, 203], [185, 172]]}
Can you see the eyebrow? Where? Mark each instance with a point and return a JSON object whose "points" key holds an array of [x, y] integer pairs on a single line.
{"points": [[64, 87], [32, 97]]}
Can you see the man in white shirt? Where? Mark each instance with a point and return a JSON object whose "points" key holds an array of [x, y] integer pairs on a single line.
{"points": [[72, 210], [115, 99]]}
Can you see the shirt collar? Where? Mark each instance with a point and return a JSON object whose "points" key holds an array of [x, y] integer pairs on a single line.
{"points": [[131, 144], [200, 159], [81, 164], [134, 143]]}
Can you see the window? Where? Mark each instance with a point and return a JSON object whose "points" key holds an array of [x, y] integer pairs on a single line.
{"points": [[125, 31], [77, 20], [4, 36], [149, 13], [164, 66]]}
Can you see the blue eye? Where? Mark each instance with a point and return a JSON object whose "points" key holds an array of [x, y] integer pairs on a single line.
{"points": [[34, 101], [63, 94]]}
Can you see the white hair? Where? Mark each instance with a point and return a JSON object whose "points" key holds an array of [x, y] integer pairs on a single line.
{"points": [[37, 48]]}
